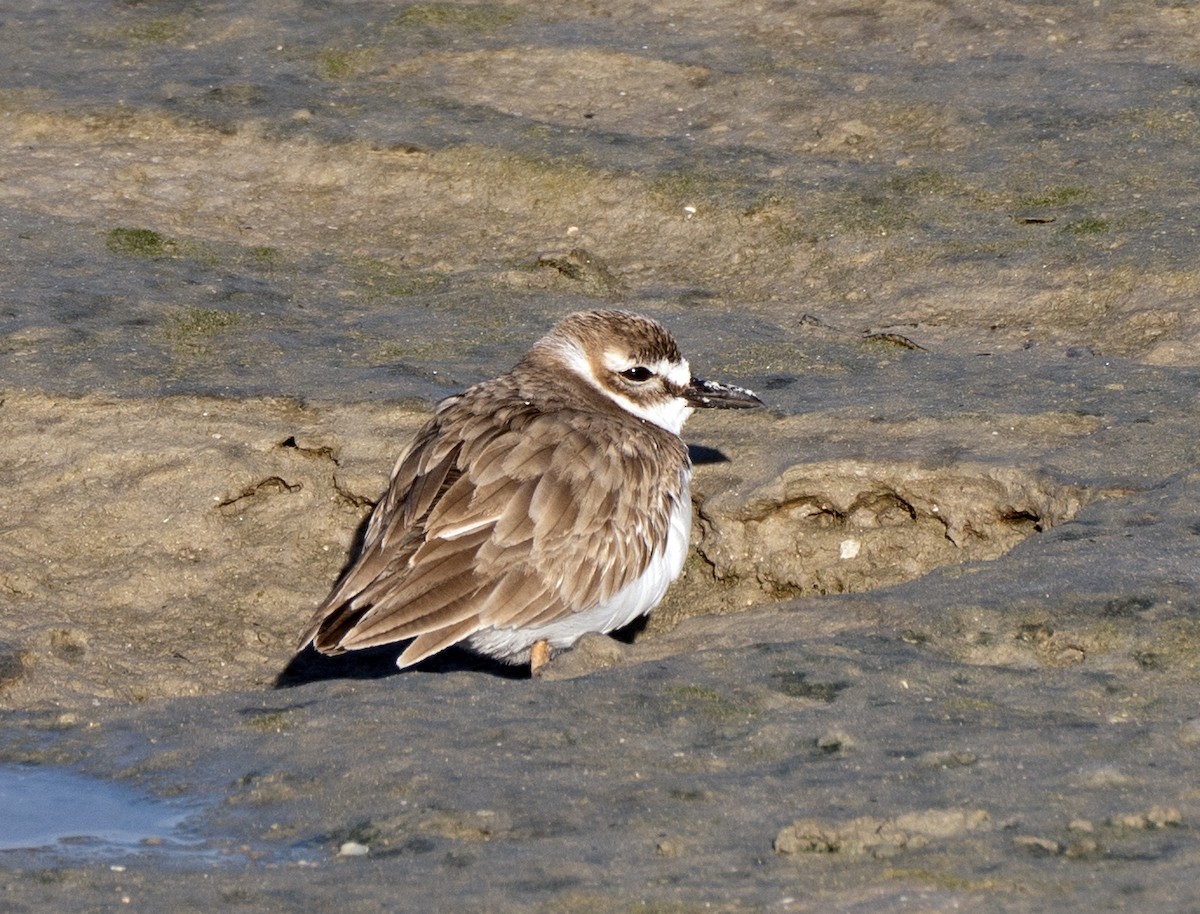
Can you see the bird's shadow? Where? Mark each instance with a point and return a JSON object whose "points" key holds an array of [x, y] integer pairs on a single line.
{"points": [[702, 455], [380, 662]]}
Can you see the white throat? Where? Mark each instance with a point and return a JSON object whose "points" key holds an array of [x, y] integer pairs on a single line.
{"points": [[669, 414]]}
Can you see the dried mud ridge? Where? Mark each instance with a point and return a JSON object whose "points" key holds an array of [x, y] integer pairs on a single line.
{"points": [[849, 526], [884, 839]]}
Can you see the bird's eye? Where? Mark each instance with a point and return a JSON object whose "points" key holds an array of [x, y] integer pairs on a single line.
{"points": [[637, 373]]}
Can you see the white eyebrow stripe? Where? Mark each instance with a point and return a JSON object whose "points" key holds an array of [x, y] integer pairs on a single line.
{"points": [[578, 362], [614, 360], [680, 374]]}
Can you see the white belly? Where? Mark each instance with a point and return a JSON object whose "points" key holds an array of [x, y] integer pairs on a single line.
{"points": [[636, 599]]}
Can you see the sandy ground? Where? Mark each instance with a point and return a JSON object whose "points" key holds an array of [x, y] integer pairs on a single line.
{"points": [[936, 648]]}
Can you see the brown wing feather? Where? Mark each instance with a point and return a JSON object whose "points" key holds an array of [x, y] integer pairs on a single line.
{"points": [[448, 604], [432, 642], [498, 516]]}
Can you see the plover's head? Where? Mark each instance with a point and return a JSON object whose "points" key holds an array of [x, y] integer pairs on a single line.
{"points": [[635, 362]]}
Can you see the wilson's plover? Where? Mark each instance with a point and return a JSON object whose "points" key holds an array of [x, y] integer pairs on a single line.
{"points": [[534, 508]]}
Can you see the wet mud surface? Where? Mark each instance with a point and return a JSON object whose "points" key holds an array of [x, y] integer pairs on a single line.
{"points": [[936, 647]]}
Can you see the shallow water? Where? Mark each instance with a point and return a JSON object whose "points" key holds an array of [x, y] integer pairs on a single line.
{"points": [[54, 808]]}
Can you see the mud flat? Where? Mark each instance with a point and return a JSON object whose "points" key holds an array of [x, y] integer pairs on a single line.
{"points": [[936, 648]]}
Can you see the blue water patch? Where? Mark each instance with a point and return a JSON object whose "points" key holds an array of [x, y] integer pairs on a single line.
{"points": [[46, 807]]}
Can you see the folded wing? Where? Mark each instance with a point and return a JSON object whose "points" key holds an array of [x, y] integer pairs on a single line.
{"points": [[515, 521]]}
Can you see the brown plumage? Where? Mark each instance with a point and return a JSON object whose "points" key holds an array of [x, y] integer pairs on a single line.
{"points": [[535, 506]]}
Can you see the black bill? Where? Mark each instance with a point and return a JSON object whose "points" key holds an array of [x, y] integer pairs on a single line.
{"points": [[715, 395]]}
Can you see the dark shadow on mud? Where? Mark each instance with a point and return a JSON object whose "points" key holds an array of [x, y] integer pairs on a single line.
{"points": [[702, 455], [380, 662]]}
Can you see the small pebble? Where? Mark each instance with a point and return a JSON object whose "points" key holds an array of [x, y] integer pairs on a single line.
{"points": [[353, 849]]}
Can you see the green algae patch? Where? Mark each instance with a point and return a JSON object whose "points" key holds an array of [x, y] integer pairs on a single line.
{"points": [[140, 242], [1087, 226], [160, 30], [340, 63], [482, 17], [1054, 196], [195, 328], [377, 280]]}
